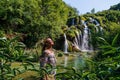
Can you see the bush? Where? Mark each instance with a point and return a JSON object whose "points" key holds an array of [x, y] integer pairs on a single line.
{"points": [[60, 54]]}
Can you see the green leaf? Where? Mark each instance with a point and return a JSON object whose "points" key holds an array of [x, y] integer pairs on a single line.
{"points": [[115, 40], [103, 73], [85, 74], [103, 40], [10, 75], [113, 51], [107, 47]]}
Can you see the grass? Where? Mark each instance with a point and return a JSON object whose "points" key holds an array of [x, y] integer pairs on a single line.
{"points": [[31, 75], [28, 75]]}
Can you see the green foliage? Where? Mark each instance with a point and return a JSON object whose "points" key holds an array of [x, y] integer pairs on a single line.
{"points": [[109, 20], [10, 51], [108, 59], [116, 38], [60, 54], [1, 33], [31, 39], [44, 18], [109, 49], [38, 19], [112, 16], [115, 7], [71, 32]]}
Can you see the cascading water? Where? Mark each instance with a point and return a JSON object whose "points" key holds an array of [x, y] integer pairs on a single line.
{"points": [[65, 44], [97, 25], [77, 40], [86, 46], [82, 40]]}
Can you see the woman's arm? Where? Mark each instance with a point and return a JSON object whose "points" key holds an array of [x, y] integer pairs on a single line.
{"points": [[46, 56], [43, 59]]}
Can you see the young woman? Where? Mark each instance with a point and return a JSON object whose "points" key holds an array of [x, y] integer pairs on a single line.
{"points": [[48, 56]]}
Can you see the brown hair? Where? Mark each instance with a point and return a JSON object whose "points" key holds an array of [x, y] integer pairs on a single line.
{"points": [[47, 40]]}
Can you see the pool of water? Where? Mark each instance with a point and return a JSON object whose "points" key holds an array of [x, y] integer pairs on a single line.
{"points": [[76, 60]]}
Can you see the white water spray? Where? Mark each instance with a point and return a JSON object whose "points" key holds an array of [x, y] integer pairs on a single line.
{"points": [[65, 44]]}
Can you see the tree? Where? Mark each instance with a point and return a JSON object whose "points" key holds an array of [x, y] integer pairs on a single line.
{"points": [[115, 7], [41, 17], [93, 11]]}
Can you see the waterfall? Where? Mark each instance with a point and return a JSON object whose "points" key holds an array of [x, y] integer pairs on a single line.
{"points": [[82, 40], [77, 40], [65, 44], [96, 22], [85, 39], [97, 26]]}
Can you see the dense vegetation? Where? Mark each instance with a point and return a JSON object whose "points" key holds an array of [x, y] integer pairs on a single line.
{"points": [[115, 7], [34, 20]]}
